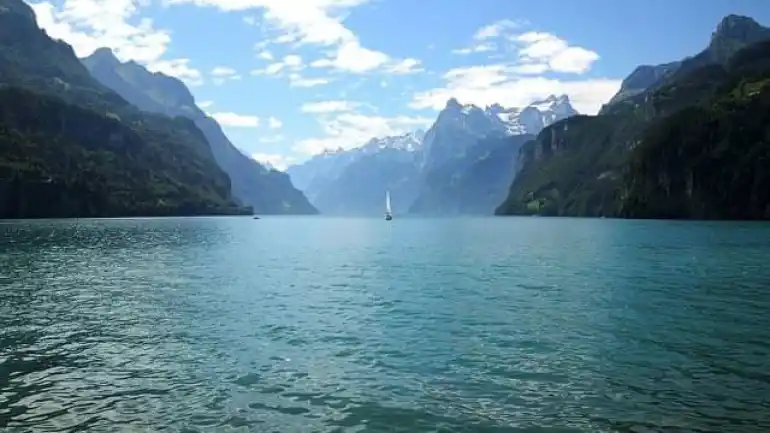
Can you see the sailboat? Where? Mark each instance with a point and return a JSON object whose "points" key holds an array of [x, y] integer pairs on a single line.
{"points": [[388, 212]]}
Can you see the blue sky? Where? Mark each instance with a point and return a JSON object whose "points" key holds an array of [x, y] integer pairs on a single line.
{"points": [[288, 78]]}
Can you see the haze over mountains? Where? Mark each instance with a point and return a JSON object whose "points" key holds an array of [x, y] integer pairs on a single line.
{"points": [[416, 169], [562, 163], [100, 137], [263, 188]]}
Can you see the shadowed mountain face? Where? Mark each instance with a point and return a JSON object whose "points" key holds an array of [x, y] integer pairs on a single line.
{"points": [[267, 191], [354, 181], [473, 183], [710, 160], [71, 147], [732, 33], [463, 164], [466, 141], [693, 144]]}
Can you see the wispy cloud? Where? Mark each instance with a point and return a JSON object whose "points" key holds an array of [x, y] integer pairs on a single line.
{"points": [[222, 74], [291, 62], [548, 49], [274, 123], [296, 80], [478, 48], [497, 28], [265, 55], [329, 106], [272, 139], [349, 129], [489, 38], [521, 78], [275, 160], [316, 22], [489, 84], [91, 24], [236, 120]]}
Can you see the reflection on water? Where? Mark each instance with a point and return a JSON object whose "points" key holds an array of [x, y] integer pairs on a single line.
{"points": [[324, 324]]}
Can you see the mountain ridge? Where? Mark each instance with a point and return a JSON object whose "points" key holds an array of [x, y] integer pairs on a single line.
{"points": [[577, 167], [117, 161], [267, 191], [325, 174], [453, 141], [732, 33], [459, 126]]}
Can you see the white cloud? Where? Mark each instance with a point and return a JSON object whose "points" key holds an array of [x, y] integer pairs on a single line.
{"points": [[485, 85], [328, 106], [116, 24], [404, 67], [272, 69], [530, 68], [478, 48], [218, 81], [291, 62], [178, 68], [222, 74], [537, 52], [265, 55], [274, 123], [223, 71], [350, 130], [296, 80], [231, 119], [352, 57], [315, 22], [519, 81], [555, 52], [276, 160], [205, 104], [496, 29], [271, 139]]}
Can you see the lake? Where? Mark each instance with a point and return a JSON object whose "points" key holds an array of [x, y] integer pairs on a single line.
{"points": [[321, 324]]}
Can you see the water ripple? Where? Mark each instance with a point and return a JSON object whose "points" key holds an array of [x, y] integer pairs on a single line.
{"points": [[352, 325]]}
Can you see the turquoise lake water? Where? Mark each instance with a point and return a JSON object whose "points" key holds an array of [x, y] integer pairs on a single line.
{"points": [[320, 324]]}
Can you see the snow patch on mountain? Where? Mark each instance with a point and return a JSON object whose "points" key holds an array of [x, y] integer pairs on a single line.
{"points": [[527, 120], [409, 142]]}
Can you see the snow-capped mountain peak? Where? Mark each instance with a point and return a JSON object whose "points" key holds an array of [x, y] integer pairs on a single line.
{"points": [[459, 126], [554, 108], [331, 151], [409, 141], [535, 116], [453, 104], [513, 121]]}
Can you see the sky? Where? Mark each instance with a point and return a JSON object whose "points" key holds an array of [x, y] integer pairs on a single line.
{"points": [[289, 78]]}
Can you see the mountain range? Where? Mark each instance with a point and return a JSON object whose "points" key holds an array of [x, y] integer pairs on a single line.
{"points": [[105, 138], [462, 164], [682, 139], [687, 139], [69, 146], [266, 190], [97, 137]]}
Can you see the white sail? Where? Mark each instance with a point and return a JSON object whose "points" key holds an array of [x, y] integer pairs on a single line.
{"points": [[387, 202]]}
